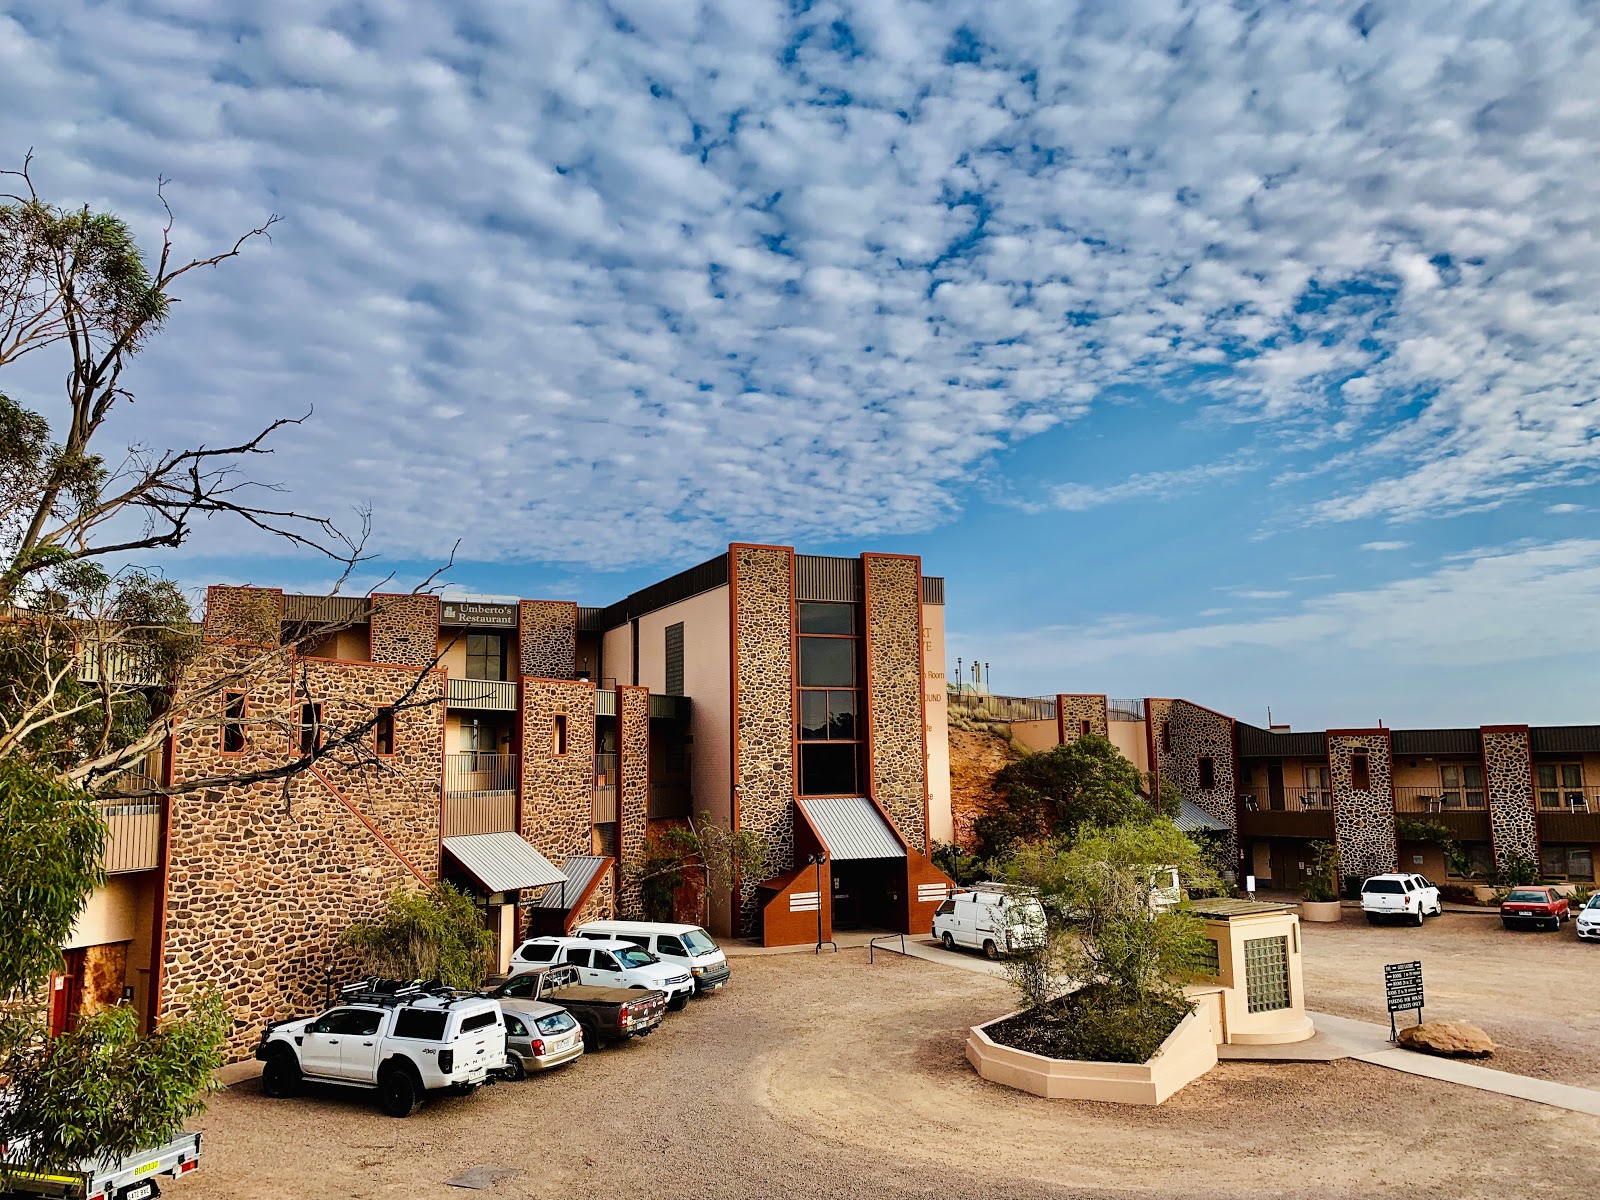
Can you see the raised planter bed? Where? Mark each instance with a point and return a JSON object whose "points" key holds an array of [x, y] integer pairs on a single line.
{"points": [[1326, 912], [1188, 1053]]}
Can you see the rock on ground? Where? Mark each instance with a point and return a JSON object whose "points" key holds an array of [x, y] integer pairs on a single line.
{"points": [[1454, 1039]]}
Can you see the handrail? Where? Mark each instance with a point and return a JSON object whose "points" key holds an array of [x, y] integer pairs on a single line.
{"points": [[872, 944]]}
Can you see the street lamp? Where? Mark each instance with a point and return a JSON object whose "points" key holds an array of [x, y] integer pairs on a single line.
{"points": [[817, 860]]}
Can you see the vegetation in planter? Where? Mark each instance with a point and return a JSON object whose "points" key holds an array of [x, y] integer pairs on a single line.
{"points": [[1103, 933], [1322, 885], [1517, 870]]}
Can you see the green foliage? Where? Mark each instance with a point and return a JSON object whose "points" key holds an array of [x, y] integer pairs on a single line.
{"points": [[437, 934], [1102, 925], [1102, 1024], [51, 844], [1056, 792], [702, 850], [1516, 870], [104, 1089], [955, 862], [1322, 885]]}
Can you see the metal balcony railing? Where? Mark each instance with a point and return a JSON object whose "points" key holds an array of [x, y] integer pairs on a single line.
{"points": [[490, 695], [473, 773], [480, 794], [605, 703], [1292, 800], [1003, 708], [1568, 799], [605, 787], [1125, 710], [134, 841], [1438, 800], [123, 664]]}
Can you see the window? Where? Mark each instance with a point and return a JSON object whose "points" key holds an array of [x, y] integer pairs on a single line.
{"points": [[575, 955], [514, 1027], [234, 708], [1084, 729], [556, 1022], [1460, 786], [1319, 787], [604, 961], [486, 656], [829, 698], [385, 729], [1560, 785], [357, 1022], [419, 1023], [558, 736], [1360, 773], [481, 1020], [1479, 864], [1208, 959], [1166, 736], [522, 985], [675, 659], [1208, 773], [1566, 862], [1383, 887], [310, 727], [667, 944], [1266, 973]]}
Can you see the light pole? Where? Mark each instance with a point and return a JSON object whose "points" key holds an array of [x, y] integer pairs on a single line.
{"points": [[817, 860]]}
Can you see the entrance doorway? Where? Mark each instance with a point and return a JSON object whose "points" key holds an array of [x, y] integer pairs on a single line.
{"points": [[867, 893], [66, 994]]}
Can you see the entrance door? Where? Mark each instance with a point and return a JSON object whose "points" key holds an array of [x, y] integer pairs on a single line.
{"points": [[66, 994]]}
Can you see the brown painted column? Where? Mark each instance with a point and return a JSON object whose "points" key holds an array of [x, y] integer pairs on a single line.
{"points": [[405, 630], [1363, 819], [633, 790], [1508, 780], [547, 633], [898, 778]]}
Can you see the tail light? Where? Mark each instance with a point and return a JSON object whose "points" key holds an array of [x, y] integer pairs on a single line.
{"points": [[538, 1047], [1407, 901], [185, 1168], [447, 1061]]}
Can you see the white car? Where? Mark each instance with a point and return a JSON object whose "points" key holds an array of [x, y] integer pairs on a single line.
{"points": [[991, 917], [1408, 897], [1588, 923], [612, 963], [686, 946]]}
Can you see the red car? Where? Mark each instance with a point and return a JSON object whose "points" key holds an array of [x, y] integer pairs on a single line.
{"points": [[1534, 906]]}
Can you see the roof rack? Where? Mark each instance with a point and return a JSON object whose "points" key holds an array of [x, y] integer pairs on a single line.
{"points": [[396, 992]]}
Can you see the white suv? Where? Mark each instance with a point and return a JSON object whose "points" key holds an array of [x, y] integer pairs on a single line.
{"points": [[1409, 897], [610, 963]]}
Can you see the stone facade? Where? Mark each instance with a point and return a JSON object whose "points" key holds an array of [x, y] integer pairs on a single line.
{"points": [[548, 635], [558, 789], [1363, 821], [899, 778], [247, 615], [1508, 778], [405, 630], [1182, 734], [263, 877], [633, 787], [762, 584], [1073, 711]]}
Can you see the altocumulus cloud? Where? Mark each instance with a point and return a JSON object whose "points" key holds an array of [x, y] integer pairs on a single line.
{"points": [[611, 283]]}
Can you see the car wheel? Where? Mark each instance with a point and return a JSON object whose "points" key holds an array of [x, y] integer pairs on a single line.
{"points": [[399, 1092], [591, 1037], [1372, 918], [990, 950], [678, 1003], [516, 1070], [1421, 916], [280, 1078], [948, 941]]}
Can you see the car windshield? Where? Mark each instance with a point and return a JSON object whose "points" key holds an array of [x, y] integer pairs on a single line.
{"points": [[1594, 901], [635, 957], [556, 1023], [699, 941], [1524, 896]]}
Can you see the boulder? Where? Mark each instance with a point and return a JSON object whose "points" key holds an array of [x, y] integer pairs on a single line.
{"points": [[1454, 1039]]}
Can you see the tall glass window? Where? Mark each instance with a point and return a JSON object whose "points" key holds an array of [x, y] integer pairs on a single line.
{"points": [[486, 656], [829, 700]]}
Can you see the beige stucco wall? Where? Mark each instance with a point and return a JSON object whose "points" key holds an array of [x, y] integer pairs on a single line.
{"points": [[936, 718], [348, 645], [1036, 735], [1133, 740], [616, 655], [123, 911], [453, 652]]}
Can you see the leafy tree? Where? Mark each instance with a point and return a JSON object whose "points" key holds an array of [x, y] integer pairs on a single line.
{"points": [[703, 851], [1322, 884], [955, 862], [436, 934], [1056, 792]]}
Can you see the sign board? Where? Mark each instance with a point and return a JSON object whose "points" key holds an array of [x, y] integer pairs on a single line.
{"points": [[1403, 983], [473, 612]]}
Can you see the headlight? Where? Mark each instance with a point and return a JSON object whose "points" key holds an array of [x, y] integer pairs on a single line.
{"points": [[698, 970]]}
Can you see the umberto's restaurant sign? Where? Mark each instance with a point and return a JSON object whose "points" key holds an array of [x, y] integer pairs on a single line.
{"points": [[464, 612]]}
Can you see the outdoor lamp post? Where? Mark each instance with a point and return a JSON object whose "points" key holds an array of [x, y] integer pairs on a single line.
{"points": [[817, 860]]}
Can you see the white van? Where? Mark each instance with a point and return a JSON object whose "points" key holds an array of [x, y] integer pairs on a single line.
{"points": [[992, 917], [609, 963], [686, 946]]}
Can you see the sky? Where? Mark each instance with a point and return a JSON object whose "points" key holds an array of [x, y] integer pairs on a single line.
{"points": [[1241, 352]]}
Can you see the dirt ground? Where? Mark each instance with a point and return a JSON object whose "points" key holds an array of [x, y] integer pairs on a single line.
{"points": [[1534, 992], [827, 1077]]}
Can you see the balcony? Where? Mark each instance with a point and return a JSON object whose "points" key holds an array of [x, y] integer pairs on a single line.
{"points": [[1461, 811], [670, 708], [605, 787], [480, 794], [483, 695], [669, 800], [605, 702], [134, 843], [1295, 812], [120, 664], [1571, 814]]}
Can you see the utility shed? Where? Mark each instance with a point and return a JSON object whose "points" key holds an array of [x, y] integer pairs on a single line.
{"points": [[1251, 983]]}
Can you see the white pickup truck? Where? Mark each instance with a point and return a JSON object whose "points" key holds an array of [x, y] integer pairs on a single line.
{"points": [[1408, 897], [401, 1041], [131, 1177]]}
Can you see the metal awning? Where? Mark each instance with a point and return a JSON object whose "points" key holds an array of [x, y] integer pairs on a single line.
{"points": [[852, 828], [1194, 819], [578, 873], [502, 862]]}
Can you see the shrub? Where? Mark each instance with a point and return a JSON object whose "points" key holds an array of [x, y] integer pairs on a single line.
{"points": [[1096, 1024], [437, 934], [1517, 870], [1322, 885]]}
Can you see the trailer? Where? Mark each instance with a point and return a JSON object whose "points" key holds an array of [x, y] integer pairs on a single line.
{"points": [[133, 1177]]}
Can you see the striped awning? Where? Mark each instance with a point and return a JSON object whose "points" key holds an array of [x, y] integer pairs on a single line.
{"points": [[578, 873], [852, 828], [502, 862]]}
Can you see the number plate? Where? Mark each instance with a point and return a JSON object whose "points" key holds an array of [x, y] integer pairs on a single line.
{"points": [[143, 1192]]}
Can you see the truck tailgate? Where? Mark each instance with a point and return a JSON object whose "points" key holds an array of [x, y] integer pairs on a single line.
{"points": [[478, 1052]]}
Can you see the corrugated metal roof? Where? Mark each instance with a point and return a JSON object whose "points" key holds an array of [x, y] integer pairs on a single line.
{"points": [[1194, 819], [589, 620], [580, 872], [1435, 741], [825, 577], [325, 609], [852, 828], [1255, 742], [502, 862], [1565, 739]]}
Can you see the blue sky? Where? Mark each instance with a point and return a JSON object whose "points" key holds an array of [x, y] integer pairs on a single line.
{"points": [[1247, 353]]}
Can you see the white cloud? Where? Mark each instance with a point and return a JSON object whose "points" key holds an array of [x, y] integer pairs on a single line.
{"points": [[1079, 497], [1564, 509], [1257, 593], [611, 284], [1384, 547]]}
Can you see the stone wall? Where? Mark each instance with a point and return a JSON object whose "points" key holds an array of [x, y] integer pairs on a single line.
{"points": [[1183, 733], [548, 636], [762, 583], [1508, 778], [899, 779], [405, 630], [248, 615], [1363, 821], [1073, 711], [558, 790], [633, 787], [264, 876]]}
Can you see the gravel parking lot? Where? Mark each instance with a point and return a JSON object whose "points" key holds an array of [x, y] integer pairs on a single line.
{"points": [[829, 1077]]}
